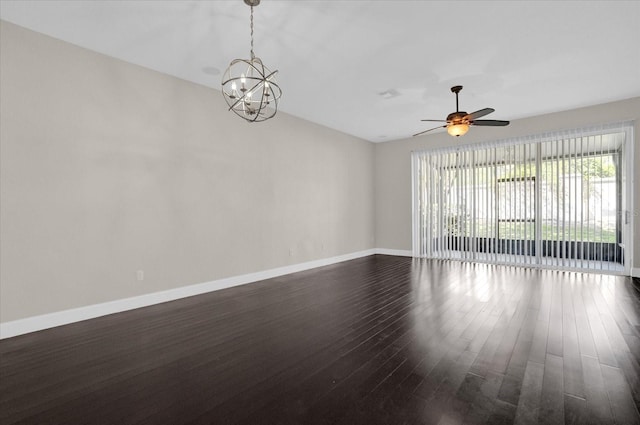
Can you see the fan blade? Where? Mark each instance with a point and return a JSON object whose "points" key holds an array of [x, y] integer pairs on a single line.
{"points": [[426, 131], [490, 123], [435, 120], [477, 114]]}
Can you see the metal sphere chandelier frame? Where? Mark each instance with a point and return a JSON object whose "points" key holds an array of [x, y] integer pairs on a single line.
{"points": [[249, 87]]}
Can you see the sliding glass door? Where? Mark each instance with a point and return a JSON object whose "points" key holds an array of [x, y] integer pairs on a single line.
{"points": [[557, 200]]}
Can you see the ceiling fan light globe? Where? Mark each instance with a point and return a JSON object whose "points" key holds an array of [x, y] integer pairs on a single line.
{"points": [[458, 129]]}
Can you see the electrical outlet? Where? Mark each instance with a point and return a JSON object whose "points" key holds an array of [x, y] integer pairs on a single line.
{"points": [[140, 275], [290, 252]]}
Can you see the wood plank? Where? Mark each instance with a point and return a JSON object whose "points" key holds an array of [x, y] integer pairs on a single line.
{"points": [[493, 336], [510, 390], [622, 405], [600, 337], [575, 412], [598, 406], [554, 339], [529, 401], [539, 343], [585, 336], [486, 402], [572, 360], [444, 401], [552, 397]]}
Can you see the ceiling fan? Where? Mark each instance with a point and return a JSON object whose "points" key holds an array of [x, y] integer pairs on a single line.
{"points": [[458, 122]]}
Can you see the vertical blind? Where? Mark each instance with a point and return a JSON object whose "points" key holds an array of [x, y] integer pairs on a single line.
{"points": [[555, 200]]}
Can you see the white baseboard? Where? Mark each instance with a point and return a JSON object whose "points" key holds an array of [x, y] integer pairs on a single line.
{"points": [[59, 318], [396, 252]]}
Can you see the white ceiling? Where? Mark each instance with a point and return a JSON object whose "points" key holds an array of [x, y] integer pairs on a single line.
{"points": [[335, 57]]}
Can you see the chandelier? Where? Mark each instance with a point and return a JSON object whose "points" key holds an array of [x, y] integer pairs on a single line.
{"points": [[249, 87]]}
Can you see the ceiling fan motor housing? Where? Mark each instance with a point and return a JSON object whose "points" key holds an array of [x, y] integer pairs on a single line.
{"points": [[456, 117]]}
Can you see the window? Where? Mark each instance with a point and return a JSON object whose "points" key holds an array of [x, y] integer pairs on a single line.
{"points": [[555, 200]]}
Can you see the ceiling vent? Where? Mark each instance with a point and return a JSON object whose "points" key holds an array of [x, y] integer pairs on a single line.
{"points": [[389, 94]]}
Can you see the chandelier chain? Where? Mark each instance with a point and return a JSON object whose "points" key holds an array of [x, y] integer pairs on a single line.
{"points": [[252, 55]]}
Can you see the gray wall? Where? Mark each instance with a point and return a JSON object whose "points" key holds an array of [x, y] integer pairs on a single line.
{"points": [[108, 168], [393, 163]]}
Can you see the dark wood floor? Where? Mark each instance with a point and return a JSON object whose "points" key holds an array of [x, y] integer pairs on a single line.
{"points": [[378, 340]]}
